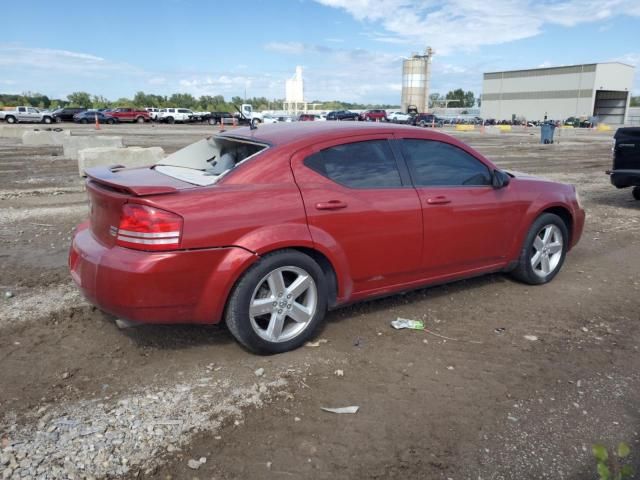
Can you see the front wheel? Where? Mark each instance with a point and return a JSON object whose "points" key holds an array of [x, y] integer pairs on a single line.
{"points": [[111, 121], [636, 193], [544, 250], [255, 122], [46, 120], [278, 303], [140, 120], [11, 119], [84, 120]]}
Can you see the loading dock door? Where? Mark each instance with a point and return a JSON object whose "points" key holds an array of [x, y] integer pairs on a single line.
{"points": [[610, 106]]}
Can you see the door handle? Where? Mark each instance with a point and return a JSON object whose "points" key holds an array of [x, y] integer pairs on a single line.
{"points": [[331, 205], [439, 200]]}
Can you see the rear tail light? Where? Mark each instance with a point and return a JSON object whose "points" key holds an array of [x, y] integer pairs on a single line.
{"points": [[148, 228]]}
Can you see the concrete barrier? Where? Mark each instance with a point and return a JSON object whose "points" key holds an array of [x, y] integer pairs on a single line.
{"points": [[129, 157], [72, 145], [14, 131], [44, 137]]}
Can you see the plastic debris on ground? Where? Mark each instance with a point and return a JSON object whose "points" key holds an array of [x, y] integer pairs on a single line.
{"points": [[400, 323]]}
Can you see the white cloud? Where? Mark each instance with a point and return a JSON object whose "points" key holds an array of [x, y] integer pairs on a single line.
{"points": [[453, 25], [16, 56], [285, 47]]}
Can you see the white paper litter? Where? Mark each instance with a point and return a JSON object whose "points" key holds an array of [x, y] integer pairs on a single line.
{"points": [[352, 409]]}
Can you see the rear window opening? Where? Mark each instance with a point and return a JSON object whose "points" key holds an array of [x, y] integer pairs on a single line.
{"points": [[207, 161]]}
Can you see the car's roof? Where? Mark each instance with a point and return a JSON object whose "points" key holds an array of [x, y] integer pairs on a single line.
{"points": [[311, 132]]}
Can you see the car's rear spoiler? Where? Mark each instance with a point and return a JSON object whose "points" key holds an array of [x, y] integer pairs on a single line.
{"points": [[135, 181]]}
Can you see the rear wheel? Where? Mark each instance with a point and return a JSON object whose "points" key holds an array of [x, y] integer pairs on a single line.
{"points": [[278, 303], [422, 123], [636, 193], [46, 120], [84, 120], [171, 120], [544, 250], [111, 121], [140, 120]]}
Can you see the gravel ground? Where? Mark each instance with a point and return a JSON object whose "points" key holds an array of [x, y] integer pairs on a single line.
{"points": [[511, 381]]}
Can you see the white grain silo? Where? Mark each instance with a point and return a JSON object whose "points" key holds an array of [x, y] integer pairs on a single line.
{"points": [[416, 71]]}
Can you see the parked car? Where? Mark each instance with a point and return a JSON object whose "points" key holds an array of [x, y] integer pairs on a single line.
{"points": [[267, 118], [342, 115], [426, 120], [374, 116], [26, 115], [308, 117], [153, 113], [173, 115], [127, 114], [399, 117], [66, 114], [247, 116], [192, 239], [626, 160], [89, 116]]}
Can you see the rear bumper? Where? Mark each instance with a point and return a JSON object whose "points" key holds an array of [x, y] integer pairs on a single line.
{"points": [[156, 287], [625, 178]]}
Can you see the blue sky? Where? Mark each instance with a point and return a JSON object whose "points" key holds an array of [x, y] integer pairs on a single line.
{"points": [[351, 50]]}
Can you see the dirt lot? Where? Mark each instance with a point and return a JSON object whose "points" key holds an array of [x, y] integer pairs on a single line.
{"points": [[470, 399]]}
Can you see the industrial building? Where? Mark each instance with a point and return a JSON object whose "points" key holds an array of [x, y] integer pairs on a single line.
{"points": [[416, 71], [599, 90]]}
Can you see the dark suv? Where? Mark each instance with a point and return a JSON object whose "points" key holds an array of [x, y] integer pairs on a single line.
{"points": [[426, 120], [342, 115], [626, 160], [66, 114]]}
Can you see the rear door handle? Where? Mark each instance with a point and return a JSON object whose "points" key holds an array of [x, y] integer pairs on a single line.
{"points": [[331, 205], [439, 200]]}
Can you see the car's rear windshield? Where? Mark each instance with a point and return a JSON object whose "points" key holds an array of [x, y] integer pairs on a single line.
{"points": [[207, 161]]}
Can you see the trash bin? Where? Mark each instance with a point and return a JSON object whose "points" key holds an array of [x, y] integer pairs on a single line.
{"points": [[546, 132]]}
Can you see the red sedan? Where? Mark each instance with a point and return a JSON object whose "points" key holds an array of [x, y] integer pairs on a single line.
{"points": [[268, 229]]}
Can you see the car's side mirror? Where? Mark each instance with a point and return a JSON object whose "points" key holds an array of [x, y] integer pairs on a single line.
{"points": [[499, 179]]}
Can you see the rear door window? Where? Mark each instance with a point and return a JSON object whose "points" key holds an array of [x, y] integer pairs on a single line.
{"points": [[434, 163], [368, 164]]}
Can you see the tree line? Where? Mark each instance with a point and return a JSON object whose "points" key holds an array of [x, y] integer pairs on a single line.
{"points": [[209, 103]]}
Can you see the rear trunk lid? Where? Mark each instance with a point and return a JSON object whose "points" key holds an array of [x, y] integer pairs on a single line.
{"points": [[110, 188], [626, 151]]}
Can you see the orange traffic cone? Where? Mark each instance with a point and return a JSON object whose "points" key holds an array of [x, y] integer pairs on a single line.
{"points": [[97, 122]]}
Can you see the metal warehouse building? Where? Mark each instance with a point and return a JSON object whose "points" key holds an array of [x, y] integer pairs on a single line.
{"points": [[595, 89]]}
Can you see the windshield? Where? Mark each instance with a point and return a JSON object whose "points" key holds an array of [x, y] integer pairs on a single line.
{"points": [[205, 162]]}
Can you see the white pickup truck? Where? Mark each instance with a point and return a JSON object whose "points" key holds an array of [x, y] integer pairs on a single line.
{"points": [[26, 115]]}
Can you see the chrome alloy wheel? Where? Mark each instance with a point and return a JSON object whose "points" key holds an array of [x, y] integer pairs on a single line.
{"points": [[547, 250], [283, 304]]}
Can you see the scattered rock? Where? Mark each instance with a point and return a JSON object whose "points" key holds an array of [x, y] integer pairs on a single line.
{"points": [[531, 338], [8, 294], [339, 373], [259, 372], [193, 464]]}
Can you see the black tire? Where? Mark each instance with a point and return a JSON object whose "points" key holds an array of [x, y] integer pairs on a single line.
{"points": [[212, 121], [237, 310], [422, 124], [171, 120], [84, 120], [140, 120], [524, 270], [636, 193], [111, 121], [255, 122], [11, 119], [47, 120], [58, 120]]}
